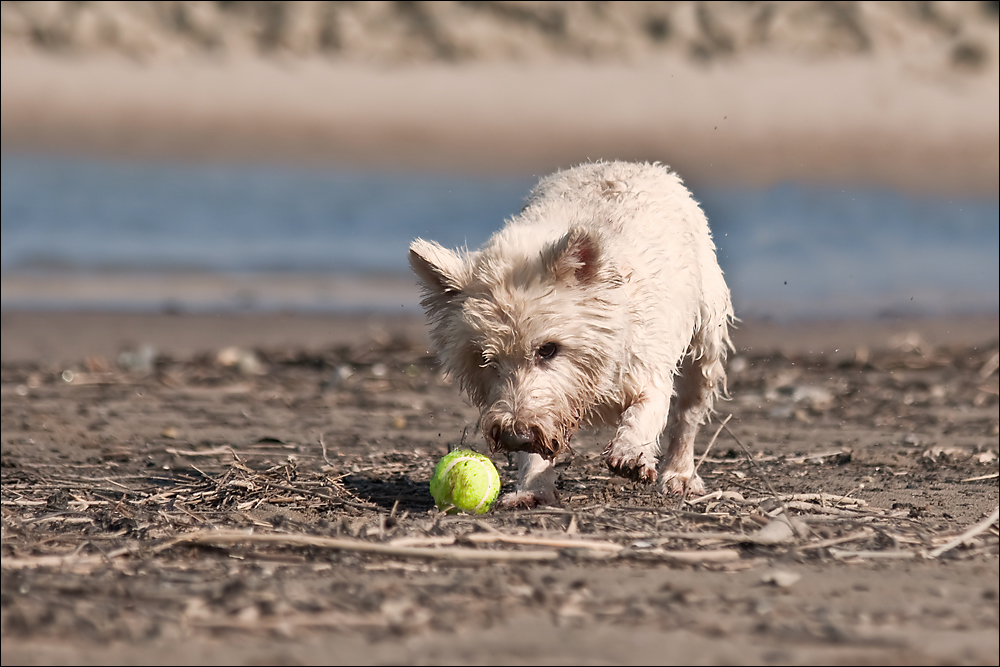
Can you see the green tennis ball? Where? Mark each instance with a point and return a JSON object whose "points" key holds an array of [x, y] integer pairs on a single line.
{"points": [[465, 480]]}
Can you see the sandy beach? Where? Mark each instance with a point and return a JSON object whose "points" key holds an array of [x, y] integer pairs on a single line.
{"points": [[198, 486], [125, 435]]}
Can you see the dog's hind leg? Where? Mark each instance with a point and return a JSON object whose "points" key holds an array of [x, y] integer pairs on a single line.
{"points": [[702, 378]]}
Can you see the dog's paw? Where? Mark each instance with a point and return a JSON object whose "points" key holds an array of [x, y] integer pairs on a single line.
{"points": [[680, 484], [636, 466], [528, 499]]}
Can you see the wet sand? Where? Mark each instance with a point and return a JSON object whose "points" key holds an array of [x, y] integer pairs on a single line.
{"points": [[326, 428]]}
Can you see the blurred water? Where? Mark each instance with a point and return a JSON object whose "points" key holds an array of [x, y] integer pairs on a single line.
{"points": [[790, 251]]}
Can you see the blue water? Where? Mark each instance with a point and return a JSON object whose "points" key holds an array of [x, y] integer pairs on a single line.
{"points": [[789, 251]]}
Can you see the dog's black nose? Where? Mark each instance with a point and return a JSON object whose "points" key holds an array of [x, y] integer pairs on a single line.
{"points": [[513, 441]]}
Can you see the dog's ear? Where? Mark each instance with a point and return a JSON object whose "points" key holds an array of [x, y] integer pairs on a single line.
{"points": [[575, 259], [443, 273]]}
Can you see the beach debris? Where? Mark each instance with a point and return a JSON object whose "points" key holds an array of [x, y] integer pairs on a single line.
{"points": [[910, 341], [690, 556], [140, 359], [245, 361], [223, 538], [861, 355], [340, 375], [938, 454], [764, 478], [738, 365], [986, 457], [967, 535], [775, 532], [978, 478], [735, 496], [780, 578], [990, 366], [815, 397], [97, 364], [892, 554]]}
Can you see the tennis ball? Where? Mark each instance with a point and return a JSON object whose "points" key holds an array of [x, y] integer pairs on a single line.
{"points": [[465, 480]]}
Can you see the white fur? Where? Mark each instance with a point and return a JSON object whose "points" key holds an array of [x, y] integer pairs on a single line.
{"points": [[614, 264]]}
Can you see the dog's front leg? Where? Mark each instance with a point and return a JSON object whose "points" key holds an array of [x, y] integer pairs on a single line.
{"points": [[536, 482], [632, 452]]}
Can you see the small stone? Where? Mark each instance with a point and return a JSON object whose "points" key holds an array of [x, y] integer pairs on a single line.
{"points": [[775, 532], [780, 578]]}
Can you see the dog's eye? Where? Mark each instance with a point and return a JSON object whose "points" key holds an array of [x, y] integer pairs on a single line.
{"points": [[547, 352]]}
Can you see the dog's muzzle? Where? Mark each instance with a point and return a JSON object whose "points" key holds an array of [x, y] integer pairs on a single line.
{"points": [[515, 441], [518, 440]]}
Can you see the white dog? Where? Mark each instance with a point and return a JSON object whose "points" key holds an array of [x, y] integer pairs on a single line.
{"points": [[601, 302]]}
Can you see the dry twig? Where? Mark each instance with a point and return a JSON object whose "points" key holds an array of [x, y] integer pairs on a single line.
{"points": [[230, 537], [992, 475], [708, 448], [980, 527], [492, 537], [760, 472]]}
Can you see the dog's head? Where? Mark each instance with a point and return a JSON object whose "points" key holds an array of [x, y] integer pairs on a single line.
{"points": [[532, 330]]}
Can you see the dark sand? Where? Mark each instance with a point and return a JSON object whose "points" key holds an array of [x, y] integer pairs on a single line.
{"points": [[107, 463]]}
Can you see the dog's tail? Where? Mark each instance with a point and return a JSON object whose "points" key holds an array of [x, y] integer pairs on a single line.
{"points": [[712, 343]]}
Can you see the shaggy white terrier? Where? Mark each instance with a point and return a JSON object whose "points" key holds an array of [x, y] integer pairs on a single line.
{"points": [[602, 302]]}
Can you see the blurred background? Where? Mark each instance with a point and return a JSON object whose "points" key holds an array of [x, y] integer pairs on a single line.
{"points": [[271, 156]]}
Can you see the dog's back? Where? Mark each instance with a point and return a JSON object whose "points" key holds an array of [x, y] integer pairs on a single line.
{"points": [[659, 239]]}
